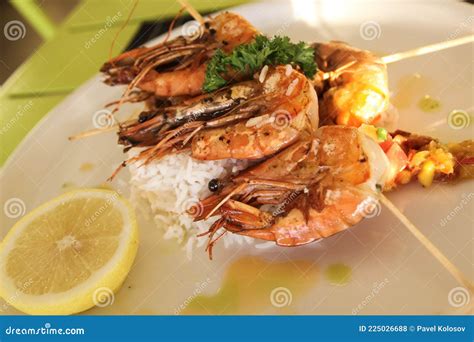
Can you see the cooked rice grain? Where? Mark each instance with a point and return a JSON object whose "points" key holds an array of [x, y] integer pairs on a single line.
{"points": [[174, 184]]}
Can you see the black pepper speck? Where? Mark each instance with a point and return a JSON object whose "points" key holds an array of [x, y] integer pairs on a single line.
{"points": [[213, 185]]}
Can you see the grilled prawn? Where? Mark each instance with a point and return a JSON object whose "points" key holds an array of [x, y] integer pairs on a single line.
{"points": [[248, 120], [315, 188], [352, 85], [178, 66]]}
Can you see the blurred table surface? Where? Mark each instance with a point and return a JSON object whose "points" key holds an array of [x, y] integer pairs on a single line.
{"points": [[73, 56]]}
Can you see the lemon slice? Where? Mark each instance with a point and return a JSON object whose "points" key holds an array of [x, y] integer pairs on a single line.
{"points": [[69, 254]]}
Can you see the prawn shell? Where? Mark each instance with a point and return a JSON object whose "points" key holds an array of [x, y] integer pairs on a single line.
{"points": [[291, 108], [341, 150]]}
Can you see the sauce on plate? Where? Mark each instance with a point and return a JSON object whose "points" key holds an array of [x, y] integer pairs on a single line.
{"points": [[409, 89], [338, 274], [254, 285], [429, 104]]}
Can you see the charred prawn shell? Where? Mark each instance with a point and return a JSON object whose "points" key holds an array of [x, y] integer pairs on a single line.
{"points": [[151, 126]]}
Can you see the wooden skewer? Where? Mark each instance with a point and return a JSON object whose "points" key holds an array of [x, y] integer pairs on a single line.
{"points": [[92, 132], [428, 49], [450, 267], [396, 57], [385, 59], [195, 14], [96, 131]]}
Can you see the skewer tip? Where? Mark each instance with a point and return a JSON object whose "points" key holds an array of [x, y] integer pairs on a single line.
{"points": [[443, 260], [192, 11]]}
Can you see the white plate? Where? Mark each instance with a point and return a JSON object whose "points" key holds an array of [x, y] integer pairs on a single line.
{"points": [[391, 272]]}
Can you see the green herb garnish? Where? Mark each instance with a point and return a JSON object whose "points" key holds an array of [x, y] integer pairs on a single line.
{"points": [[251, 57], [382, 134]]}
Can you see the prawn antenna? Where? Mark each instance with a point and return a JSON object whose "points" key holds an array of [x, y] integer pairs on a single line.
{"points": [[450, 267], [111, 50], [419, 51]]}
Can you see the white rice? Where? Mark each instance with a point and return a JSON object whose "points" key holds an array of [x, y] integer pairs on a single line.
{"points": [[292, 86], [263, 74], [174, 184]]}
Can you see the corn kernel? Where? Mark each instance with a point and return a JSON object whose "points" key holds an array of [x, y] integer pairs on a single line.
{"points": [[444, 160], [419, 158], [426, 175]]}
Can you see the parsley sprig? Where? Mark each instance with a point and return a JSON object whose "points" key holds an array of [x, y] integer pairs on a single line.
{"points": [[251, 57]]}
